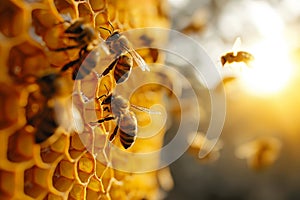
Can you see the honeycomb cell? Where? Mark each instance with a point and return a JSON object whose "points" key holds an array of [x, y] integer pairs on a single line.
{"points": [[25, 60], [51, 196], [65, 7], [90, 194], [49, 156], [76, 143], [77, 192], [85, 167], [60, 181], [85, 12], [66, 169], [33, 179], [9, 105], [20, 145], [95, 185], [97, 5], [60, 144], [42, 20], [12, 19], [7, 184]]}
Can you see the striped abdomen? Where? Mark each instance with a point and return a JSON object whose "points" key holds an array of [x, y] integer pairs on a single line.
{"points": [[123, 68], [128, 129]]}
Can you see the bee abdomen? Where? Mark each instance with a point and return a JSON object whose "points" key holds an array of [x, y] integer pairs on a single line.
{"points": [[123, 69], [128, 138]]}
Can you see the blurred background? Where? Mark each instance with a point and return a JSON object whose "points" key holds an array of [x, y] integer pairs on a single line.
{"points": [[258, 152]]}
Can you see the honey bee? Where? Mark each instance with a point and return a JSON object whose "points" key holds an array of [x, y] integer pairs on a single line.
{"points": [[237, 56], [119, 45], [197, 144], [122, 68], [126, 125], [260, 153], [85, 38], [241, 56], [41, 105], [126, 119]]}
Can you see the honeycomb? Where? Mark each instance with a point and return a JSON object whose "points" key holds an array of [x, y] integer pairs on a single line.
{"points": [[67, 164]]}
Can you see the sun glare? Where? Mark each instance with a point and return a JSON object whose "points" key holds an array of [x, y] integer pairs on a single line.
{"points": [[271, 70]]}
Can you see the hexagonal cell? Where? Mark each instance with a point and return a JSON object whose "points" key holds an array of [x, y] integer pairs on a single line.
{"points": [[12, 19], [97, 5], [90, 194], [49, 156], [60, 144], [20, 145], [7, 184], [66, 8], [63, 176], [95, 185], [105, 174], [9, 105], [76, 143], [26, 59], [34, 182], [85, 12], [76, 147], [51, 196], [77, 192], [42, 20], [85, 167]]}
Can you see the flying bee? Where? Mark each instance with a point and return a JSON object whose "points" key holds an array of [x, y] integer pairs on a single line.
{"points": [[85, 38], [237, 56], [241, 56], [119, 45], [260, 153]]}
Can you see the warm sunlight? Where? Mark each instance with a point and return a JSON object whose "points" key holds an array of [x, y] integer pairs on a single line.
{"points": [[271, 70]]}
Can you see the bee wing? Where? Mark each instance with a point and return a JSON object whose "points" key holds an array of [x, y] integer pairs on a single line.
{"points": [[236, 45], [147, 110], [138, 59]]}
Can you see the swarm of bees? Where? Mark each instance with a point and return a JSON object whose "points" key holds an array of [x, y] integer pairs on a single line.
{"points": [[86, 40]]}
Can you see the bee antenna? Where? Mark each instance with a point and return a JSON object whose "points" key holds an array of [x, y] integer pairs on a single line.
{"points": [[106, 29], [147, 110], [111, 26]]}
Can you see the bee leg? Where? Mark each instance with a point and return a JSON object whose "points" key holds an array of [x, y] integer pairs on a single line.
{"points": [[105, 119], [67, 48], [112, 136], [110, 67], [70, 64], [102, 120]]}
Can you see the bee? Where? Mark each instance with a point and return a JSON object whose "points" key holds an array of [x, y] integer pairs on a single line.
{"points": [[41, 106], [126, 125], [85, 38], [126, 119], [260, 153], [122, 68], [119, 45], [237, 56], [197, 144]]}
